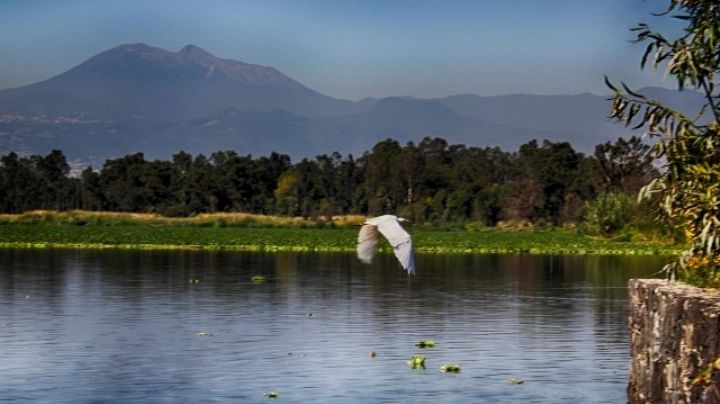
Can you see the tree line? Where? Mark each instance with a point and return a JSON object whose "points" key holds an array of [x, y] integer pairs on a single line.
{"points": [[428, 182]]}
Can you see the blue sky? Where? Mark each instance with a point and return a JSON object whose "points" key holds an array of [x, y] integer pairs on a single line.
{"points": [[350, 48]]}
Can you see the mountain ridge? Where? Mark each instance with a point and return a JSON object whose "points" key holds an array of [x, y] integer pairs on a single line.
{"points": [[136, 97]]}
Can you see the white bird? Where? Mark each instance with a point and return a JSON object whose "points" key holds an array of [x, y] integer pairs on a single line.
{"points": [[389, 226]]}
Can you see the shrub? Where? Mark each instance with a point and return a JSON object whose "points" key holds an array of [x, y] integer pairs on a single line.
{"points": [[607, 214]]}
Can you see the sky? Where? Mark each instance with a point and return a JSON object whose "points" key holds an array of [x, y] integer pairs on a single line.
{"points": [[354, 49]]}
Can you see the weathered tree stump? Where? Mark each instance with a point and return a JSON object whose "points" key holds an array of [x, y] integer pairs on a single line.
{"points": [[674, 334]]}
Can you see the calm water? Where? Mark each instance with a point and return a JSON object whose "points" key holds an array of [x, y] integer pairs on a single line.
{"points": [[89, 326]]}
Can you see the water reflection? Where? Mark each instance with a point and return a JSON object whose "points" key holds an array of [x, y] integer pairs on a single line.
{"points": [[123, 326]]}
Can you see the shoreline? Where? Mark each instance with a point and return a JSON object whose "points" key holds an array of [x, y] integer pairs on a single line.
{"points": [[318, 240]]}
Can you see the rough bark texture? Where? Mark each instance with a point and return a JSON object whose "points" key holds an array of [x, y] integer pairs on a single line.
{"points": [[674, 334]]}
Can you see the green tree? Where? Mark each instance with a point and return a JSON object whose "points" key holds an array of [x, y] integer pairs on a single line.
{"points": [[625, 165], [329, 182], [689, 185], [91, 195], [267, 172], [54, 188], [349, 186], [15, 181], [286, 193], [554, 166], [199, 192], [122, 183], [488, 204], [384, 188]]}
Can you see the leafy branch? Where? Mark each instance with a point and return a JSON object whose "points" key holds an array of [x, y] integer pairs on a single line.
{"points": [[689, 187]]}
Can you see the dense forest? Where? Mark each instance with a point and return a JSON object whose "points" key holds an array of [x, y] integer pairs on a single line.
{"points": [[428, 182]]}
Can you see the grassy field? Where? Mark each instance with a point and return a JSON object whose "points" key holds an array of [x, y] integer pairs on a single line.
{"points": [[105, 230]]}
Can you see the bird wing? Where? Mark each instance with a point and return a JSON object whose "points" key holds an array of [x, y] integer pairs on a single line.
{"points": [[400, 241], [367, 243], [404, 254]]}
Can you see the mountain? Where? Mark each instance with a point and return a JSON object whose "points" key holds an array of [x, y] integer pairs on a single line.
{"points": [[137, 97], [409, 119], [138, 82], [584, 116], [584, 113]]}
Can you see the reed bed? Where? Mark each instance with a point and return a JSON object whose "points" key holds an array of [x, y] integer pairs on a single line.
{"points": [[80, 217]]}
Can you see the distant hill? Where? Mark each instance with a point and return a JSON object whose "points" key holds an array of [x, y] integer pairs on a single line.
{"points": [[137, 97], [142, 83], [582, 115]]}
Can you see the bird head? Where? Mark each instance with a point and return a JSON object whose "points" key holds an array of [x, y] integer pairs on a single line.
{"points": [[403, 220]]}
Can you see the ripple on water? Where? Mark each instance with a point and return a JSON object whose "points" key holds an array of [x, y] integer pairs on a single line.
{"points": [[127, 326]]}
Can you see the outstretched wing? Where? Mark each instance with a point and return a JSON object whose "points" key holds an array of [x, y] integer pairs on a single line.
{"points": [[404, 254], [367, 243], [400, 241]]}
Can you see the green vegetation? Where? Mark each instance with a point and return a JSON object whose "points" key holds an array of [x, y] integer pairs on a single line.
{"points": [[416, 362], [484, 240], [450, 368], [688, 190], [431, 182], [707, 375], [425, 344], [607, 214]]}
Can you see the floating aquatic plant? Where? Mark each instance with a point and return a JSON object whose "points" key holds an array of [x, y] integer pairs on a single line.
{"points": [[258, 278], [450, 368], [515, 381], [159, 237], [416, 362], [205, 334], [272, 394], [425, 344]]}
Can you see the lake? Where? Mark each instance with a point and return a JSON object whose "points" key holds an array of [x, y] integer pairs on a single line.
{"points": [[191, 326]]}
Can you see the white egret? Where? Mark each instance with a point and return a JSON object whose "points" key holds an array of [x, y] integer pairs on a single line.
{"points": [[389, 226]]}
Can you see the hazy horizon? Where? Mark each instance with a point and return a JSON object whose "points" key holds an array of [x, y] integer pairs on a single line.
{"points": [[356, 49]]}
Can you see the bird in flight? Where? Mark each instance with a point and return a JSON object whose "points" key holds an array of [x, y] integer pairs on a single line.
{"points": [[389, 226]]}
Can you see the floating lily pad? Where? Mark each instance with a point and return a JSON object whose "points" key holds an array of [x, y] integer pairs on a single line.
{"points": [[515, 381], [272, 394], [258, 278], [450, 368], [416, 362], [205, 334], [425, 344]]}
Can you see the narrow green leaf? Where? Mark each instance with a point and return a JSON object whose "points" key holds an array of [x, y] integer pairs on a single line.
{"points": [[649, 49], [633, 111], [609, 84], [634, 94]]}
